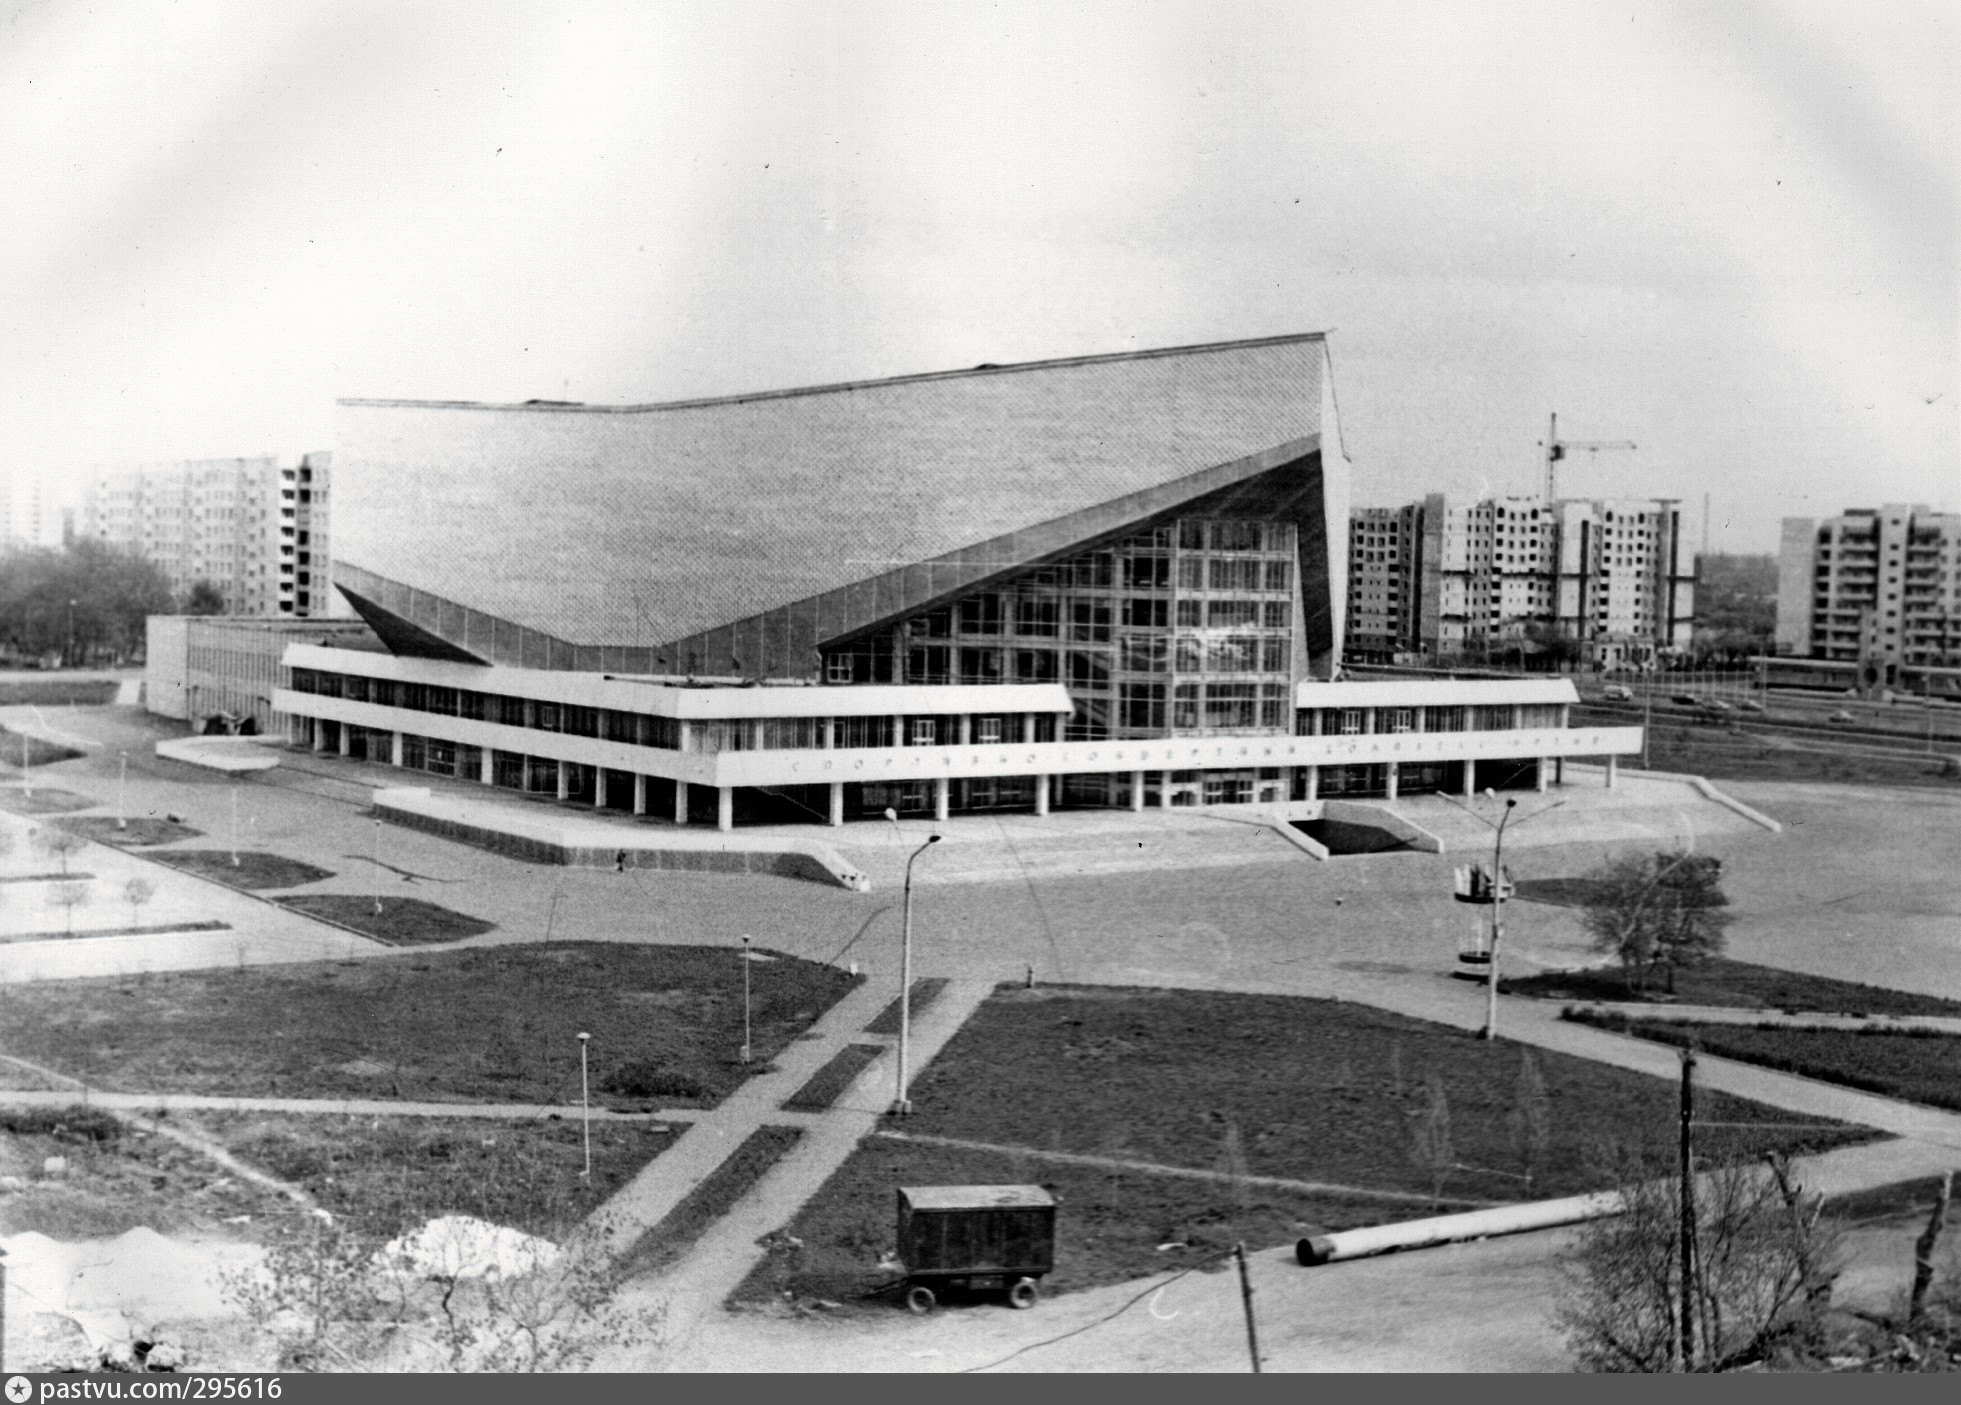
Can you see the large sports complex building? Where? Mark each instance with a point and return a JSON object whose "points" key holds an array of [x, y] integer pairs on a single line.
{"points": [[1103, 581]]}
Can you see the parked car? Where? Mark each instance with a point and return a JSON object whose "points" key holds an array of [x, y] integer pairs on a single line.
{"points": [[1749, 705], [1685, 699], [1717, 705], [1842, 718], [1616, 692]]}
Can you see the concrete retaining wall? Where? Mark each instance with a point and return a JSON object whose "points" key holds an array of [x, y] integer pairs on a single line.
{"points": [[1383, 817]]}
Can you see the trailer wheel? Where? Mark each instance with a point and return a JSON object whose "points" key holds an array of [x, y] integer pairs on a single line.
{"points": [[1023, 1293], [921, 1300]]}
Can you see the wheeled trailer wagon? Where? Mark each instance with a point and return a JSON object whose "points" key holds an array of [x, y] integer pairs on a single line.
{"points": [[982, 1238]]}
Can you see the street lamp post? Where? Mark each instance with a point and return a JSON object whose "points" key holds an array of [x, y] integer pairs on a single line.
{"points": [[377, 869], [585, 1103], [745, 999], [122, 792], [234, 824], [901, 1104]]}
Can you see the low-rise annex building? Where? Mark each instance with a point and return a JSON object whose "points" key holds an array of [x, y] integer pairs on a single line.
{"points": [[1108, 581]]}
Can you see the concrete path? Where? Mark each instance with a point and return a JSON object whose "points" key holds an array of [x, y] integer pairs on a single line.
{"points": [[696, 1286]]}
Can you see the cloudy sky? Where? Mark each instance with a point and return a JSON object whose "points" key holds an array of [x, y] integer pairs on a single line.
{"points": [[1725, 231]]}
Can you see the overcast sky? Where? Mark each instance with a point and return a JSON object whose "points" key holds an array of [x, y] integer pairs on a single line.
{"points": [[1724, 231]]}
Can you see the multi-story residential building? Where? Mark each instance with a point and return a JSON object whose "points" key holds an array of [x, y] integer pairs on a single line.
{"points": [[30, 513], [255, 528], [1450, 577], [1102, 581], [1878, 589]]}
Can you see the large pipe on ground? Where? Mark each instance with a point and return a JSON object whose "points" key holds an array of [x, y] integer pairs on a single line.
{"points": [[1451, 1229]]}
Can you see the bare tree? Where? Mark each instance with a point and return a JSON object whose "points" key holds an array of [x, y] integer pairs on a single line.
{"points": [[1759, 1280], [68, 897], [1431, 1146], [58, 843], [1530, 1120], [136, 892]]}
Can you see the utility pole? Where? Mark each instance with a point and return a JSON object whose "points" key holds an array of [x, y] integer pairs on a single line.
{"points": [[1687, 1246], [1556, 450], [1246, 1300]]}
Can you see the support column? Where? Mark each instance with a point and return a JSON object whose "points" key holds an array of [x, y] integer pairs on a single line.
{"points": [[680, 802], [639, 794], [395, 749], [1559, 770], [1539, 777], [725, 808], [1164, 790], [942, 799], [598, 787], [319, 735], [487, 771], [1394, 777], [1137, 790], [837, 803], [1313, 782], [1470, 786], [344, 743], [564, 780], [1613, 769], [830, 740], [1028, 726], [1041, 795], [966, 729]]}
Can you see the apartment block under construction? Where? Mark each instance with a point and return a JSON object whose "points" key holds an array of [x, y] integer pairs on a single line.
{"points": [[1608, 582]]}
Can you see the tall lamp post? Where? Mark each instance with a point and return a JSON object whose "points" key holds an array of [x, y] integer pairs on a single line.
{"points": [[901, 1104], [1490, 1030], [745, 999], [585, 1103]]}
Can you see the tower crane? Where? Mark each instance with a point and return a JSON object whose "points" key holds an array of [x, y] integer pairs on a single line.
{"points": [[1556, 450]]}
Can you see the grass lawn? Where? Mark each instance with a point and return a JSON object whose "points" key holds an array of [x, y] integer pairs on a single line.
{"points": [[386, 1175], [43, 800], [62, 934], [824, 1086], [713, 1198], [1739, 983], [252, 872], [1916, 1067], [487, 1024], [57, 691], [401, 921], [924, 992], [1306, 1090], [138, 830]]}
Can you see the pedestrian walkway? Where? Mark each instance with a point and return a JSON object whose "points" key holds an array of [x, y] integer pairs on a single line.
{"points": [[728, 1251]]}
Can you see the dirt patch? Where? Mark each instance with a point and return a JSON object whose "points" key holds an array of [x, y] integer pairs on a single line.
{"points": [[401, 921], [244, 868], [386, 1175], [53, 936]]}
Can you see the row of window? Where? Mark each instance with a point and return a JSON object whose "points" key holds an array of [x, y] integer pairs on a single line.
{"points": [[1091, 668]]}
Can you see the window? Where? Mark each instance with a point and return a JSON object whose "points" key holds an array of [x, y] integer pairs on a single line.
{"points": [[1235, 536], [1191, 655], [1230, 704], [1141, 707], [1036, 665], [1089, 622], [980, 614], [1273, 656], [1276, 614], [1232, 614], [1232, 653], [1147, 573], [1039, 618], [1191, 535], [1092, 572], [1397, 719], [1349, 722], [928, 663], [1497, 718], [546, 718], [1090, 722], [837, 668], [1191, 614], [1445, 719], [1088, 670], [1191, 573], [1235, 575], [1279, 575], [980, 666], [1184, 706], [920, 731], [988, 730], [857, 732], [1145, 653], [936, 624], [1146, 614], [1273, 705]]}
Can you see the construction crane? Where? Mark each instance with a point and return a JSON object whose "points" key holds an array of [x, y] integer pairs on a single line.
{"points": [[1556, 450]]}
